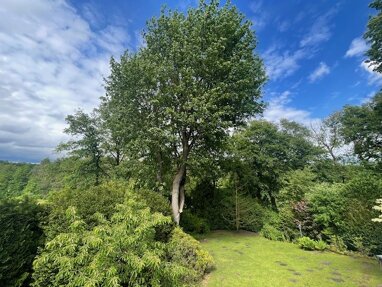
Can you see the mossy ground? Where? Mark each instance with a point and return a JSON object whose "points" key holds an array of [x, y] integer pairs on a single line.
{"points": [[245, 259]]}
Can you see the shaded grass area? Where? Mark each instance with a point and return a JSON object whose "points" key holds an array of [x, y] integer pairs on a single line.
{"points": [[245, 259]]}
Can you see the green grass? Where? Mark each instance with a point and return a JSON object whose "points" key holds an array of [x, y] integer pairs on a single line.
{"points": [[245, 259]]}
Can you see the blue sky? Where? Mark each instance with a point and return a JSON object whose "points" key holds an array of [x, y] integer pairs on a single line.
{"points": [[54, 55]]}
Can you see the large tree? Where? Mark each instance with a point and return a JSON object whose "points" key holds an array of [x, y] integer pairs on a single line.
{"points": [[197, 77], [362, 126], [327, 135], [263, 152], [373, 36]]}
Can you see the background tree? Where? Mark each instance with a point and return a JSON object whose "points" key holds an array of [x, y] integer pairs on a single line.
{"points": [[362, 126], [87, 143], [327, 135], [264, 152], [197, 77], [373, 36]]}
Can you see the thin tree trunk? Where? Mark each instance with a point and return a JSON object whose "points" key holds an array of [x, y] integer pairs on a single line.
{"points": [[177, 195]]}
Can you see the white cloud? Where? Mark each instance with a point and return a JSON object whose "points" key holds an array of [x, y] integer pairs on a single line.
{"points": [[319, 32], [278, 109], [373, 77], [357, 48], [281, 63], [51, 63], [260, 16], [319, 72]]}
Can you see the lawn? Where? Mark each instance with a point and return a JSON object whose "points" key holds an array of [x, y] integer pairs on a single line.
{"points": [[245, 259]]}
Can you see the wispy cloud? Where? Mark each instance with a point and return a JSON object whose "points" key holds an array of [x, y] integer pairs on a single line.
{"points": [[259, 15], [51, 62], [281, 63], [358, 47], [320, 30], [279, 108], [319, 72]]}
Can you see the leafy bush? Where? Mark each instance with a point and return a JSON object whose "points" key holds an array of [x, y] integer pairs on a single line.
{"points": [[326, 203], [272, 233], [242, 212], [320, 245], [306, 243], [20, 238], [337, 244], [186, 252], [357, 230], [310, 244], [87, 201], [120, 244], [193, 223], [120, 251]]}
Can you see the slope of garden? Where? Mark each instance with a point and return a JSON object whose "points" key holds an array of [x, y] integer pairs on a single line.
{"points": [[246, 259]]}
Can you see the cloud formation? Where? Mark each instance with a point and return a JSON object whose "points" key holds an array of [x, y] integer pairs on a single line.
{"points": [[51, 63], [281, 62], [357, 47], [374, 78], [319, 72], [278, 109]]}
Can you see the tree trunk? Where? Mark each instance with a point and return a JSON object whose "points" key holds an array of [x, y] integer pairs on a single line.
{"points": [[177, 195]]}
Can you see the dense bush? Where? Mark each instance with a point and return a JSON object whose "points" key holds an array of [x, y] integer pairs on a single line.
{"points": [[271, 232], [13, 178], [310, 244], [357, 229], [193, 223], [186, 252], [123, 243], [20, 238], [87, 201], [306, 243]]}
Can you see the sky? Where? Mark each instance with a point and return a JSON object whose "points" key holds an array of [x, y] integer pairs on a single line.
{"points": [[54, 56]]}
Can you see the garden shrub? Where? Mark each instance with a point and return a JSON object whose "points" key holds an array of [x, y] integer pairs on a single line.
{"points": [[187, 252], [357, 230], [119, 251], [129, 245], [306, 243], [320, 245], [87, 201], [272, 233], [193, 223], [20, 238], [310, 244]]}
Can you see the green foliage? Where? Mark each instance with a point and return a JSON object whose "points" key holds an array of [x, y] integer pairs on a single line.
{"points": [[87, 201], [310, 244], [320, 245], [112, 235], [242, 212], [264, 152], [197, 77], [306, 243], [193, 223], [361, 126], [20, 237], [327, 205], [13, 178], [272, 233], [118, 251], [187, 252], [374, 37], [87, 145], [295, 184]]}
